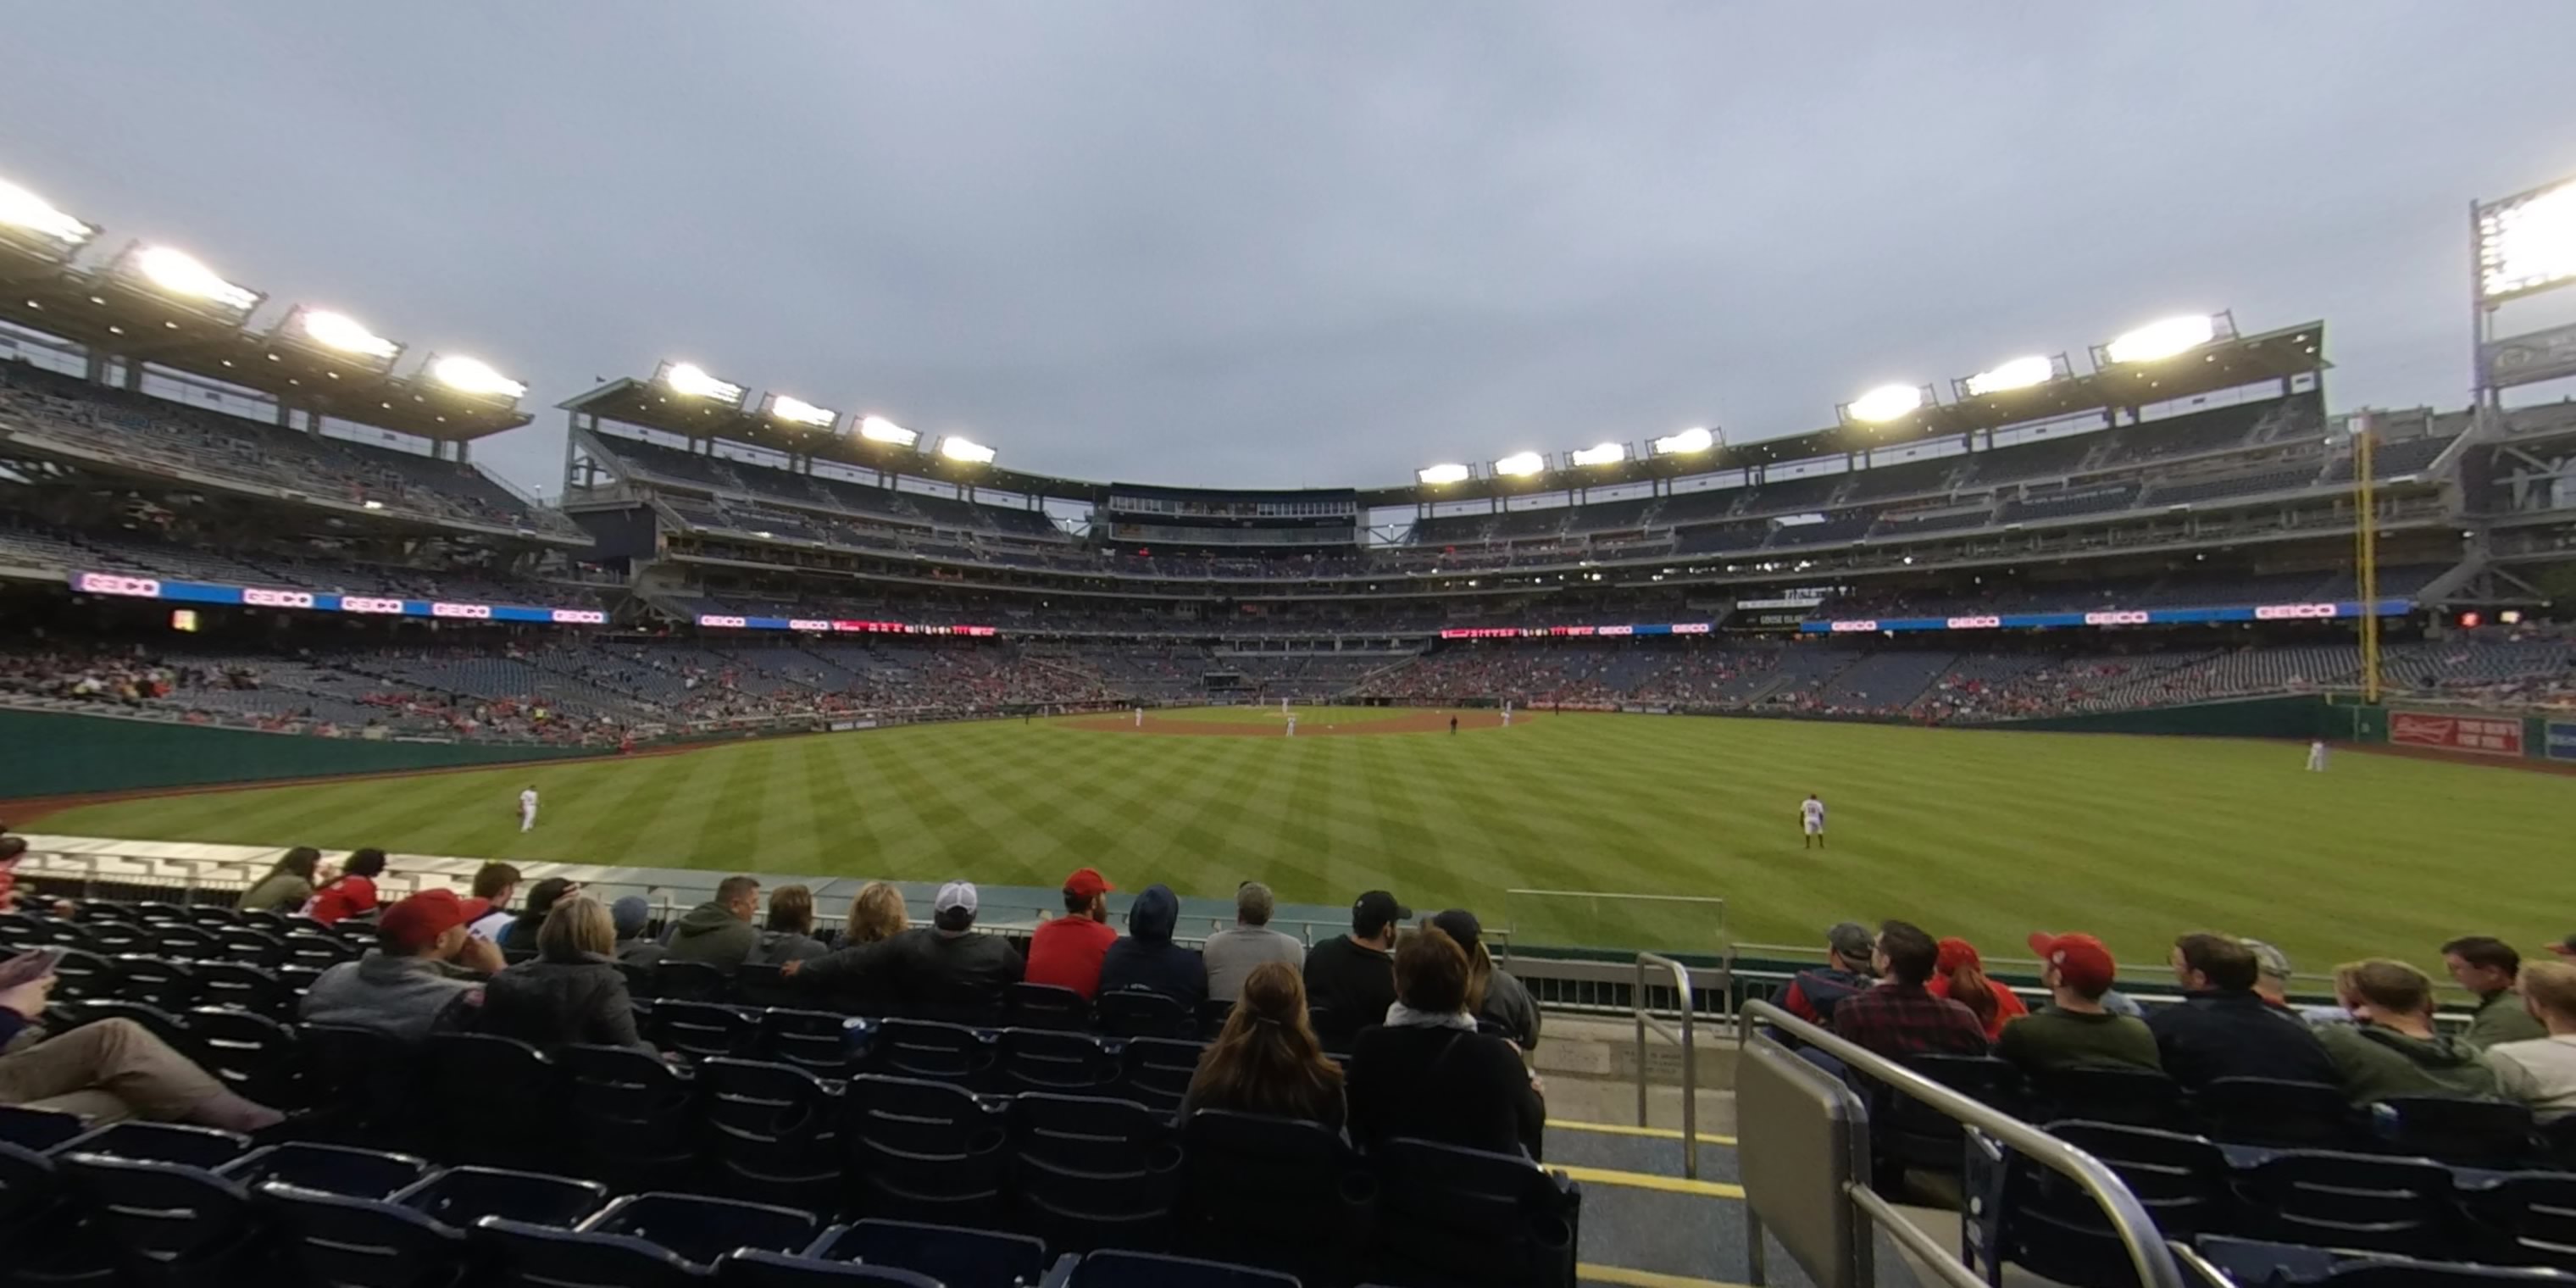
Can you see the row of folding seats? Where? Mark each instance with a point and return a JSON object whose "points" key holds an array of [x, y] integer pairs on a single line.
{"points": [[2025, 1214]]}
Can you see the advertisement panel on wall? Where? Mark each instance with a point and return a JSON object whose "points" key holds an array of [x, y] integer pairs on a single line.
{"points": [[2484, 735], [2562, 740]]}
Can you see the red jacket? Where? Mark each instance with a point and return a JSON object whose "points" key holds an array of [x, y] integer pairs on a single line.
{"points": [[1066, 953], [346, 897]]}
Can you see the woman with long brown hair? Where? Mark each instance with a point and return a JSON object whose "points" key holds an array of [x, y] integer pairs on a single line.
{"points": [[1960, 975], [1267, 1060]]}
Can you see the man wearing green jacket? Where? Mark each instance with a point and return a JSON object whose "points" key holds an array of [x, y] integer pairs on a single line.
{"points": [[718, 932], [2490, 968], [2390, 1048]]}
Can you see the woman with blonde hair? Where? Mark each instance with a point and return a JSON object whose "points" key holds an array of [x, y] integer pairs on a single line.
{"points": [[859, 972], [876, 912], [573, 991], [1267, 1060]]}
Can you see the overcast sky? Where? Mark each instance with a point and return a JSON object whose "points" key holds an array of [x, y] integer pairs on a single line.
{"points": [[1277, 244]]}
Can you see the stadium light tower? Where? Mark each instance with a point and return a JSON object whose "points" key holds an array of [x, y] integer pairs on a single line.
{"points": [[965, 451], [36, 221], [2027, 372], [789, 410], [182, 278], [1520, 465], [2164, 338], [339, 335], [2522, 245], [877, 429], [1698, 438], [1600, 454], [689, 380], [475, 377], [1438, 475], [1885, 403]]}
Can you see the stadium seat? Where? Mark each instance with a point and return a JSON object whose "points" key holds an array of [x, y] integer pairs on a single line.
{"points": [[703, 1030], [1157, 1071], [753, 1269], [168, 984], [542, 1256], [1093, 1172], [162, 1024], [700, 1229], [257, 1057], [246, 946], [954, 1255], [1285, 1192], [81, 975], [160, 1143], [2358, 1201], [119, 938], [632, 1113], [42, 1238], [1908, 1134], [172, 1225], [462, 1196], [2277, 1112], [760, 984], [928, 1151], [689, 982], [1117, 1269], [2257, 1263], [212, 916], [2101, 1094], [349, 1242], [315, 949], [1448, 1215], [2524, 1219], [178, 940], [820, 1042], [775, 1130], [1213, 1013], [930, 1049], [37, 1129], [642, 984], [2034, 1217], [248, 987], [365, 1080], [2473, 1133], [1143, 1013], [523, 1127], [1044, 1006], [1047, 1060], [331, 1169]]}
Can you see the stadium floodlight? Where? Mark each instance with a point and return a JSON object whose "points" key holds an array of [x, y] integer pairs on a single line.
{"points": [[877, 429], [344, 333], [1886, 403], [797, 411], [2019, 373], [1439, 474], [1695, 439], [1520, 465], [28, 212], [181, 274], [2163, 339], [2527, 243], [475, 376], [965, 451], [691, 380], [1601, 454]]}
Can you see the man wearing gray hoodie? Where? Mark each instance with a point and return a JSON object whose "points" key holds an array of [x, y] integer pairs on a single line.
{"points": [[1147, 957], [718, 932]]}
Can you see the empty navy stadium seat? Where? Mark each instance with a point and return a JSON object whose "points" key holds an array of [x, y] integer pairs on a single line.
{"points": [[700, 1229], [2340, 1200], [1092, 1172], [255, 1056], [1448, 1215], [930, 1049], [2256, 1263], [2524, 1219], [42, 1238], [818, 1041], [779, 1270], [1213, 1013], [160, 1143], [2103, 1094], [1143, 1013], [37, 1129], [631, 1113], [1048, 1060], [954, 1255], [332, 1169], [703, 1030], [689, 982], [1906, 1133], [775, 1130], [543, 1256], [1157, 1071], [476, 1122], [1285, 1192], [2475, 1133], [2035, 1217], [760, 984], [81, 975], [170, 1224], [2277, 1112], [1045, 1006], [253, 987], [1115, 1269], [350, 1242], [924, 1150], [462, 1196], [368, 1080]]}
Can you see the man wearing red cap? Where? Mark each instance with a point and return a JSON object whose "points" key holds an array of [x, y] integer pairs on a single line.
{"points": [[424, 972], [1066, 951], [2074, 1030]]}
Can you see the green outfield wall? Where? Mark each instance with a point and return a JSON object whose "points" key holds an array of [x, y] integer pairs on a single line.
{"points": [[45, 753], [2279, 717]]}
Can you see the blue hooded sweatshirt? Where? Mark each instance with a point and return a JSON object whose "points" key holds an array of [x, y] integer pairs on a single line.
{"points": [[1146, 957]]}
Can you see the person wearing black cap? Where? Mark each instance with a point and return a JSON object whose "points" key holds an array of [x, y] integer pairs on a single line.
{"points": [[1498, 1001], [1350, 981]]}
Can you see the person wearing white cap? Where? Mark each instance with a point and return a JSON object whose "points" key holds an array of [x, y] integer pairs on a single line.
{"points": [[948, 964]]}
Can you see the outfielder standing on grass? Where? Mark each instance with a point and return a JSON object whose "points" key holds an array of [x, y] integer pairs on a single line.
{"points": [[528, 809], [1811, 820]]}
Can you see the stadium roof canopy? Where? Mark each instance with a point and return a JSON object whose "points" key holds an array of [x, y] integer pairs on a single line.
{"points": [[2228, 363], [111, 309]]}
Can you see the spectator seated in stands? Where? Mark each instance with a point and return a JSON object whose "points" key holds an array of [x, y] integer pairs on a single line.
{"points": [[2541, 1072], [353, 892], [1898, 1016], [1267, 1060], [1428, 1073], [2223, 1028], [287, 885], [1812, 994], [2271, 976], [12, 850], [789, 934], [1147, 958], [1352, 977], [1066, 951], [1497, 1000], [2391, 1049], [946, 963], [1960, 975], [2075, 1031], [633, 916], [859, 971], [520, 936], [718, 932], [495, 884], [1232, 953], [106, 1070], [573, 991], [423, 975], [2487, 967]]}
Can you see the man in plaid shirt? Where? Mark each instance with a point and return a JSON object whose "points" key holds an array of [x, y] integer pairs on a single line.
{"points": [[1900, 1017]]}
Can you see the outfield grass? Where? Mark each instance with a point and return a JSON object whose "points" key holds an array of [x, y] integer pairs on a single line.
{"points": [[1984, 834]]}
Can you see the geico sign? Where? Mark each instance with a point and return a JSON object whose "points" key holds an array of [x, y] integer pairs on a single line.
{"points": [[2123, 617], [460, 610], [1616, 630], [108, 583], [579, 616], [713, 619], [2285, 612], [1865, 624], [363, 604], [1690, 628], [1975, 623], [809, 624], [257, 597]]}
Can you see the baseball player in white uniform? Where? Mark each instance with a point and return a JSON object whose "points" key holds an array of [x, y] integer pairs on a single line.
{"points": [[2317, 756], [528, 810], [1292, 726], [1811, 820]]}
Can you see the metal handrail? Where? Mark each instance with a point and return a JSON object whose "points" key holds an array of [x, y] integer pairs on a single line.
{"points": [[2147, 1251], [1690, 1053]]}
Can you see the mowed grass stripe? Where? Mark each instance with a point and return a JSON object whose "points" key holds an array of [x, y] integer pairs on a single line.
{"points": [[1986, 834]]}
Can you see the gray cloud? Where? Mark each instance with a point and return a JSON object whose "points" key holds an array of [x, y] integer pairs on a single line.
{"points": [[1321, 243]]}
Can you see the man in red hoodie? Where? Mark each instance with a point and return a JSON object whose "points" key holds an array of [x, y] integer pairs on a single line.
{"points": [[1066, 951]]}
